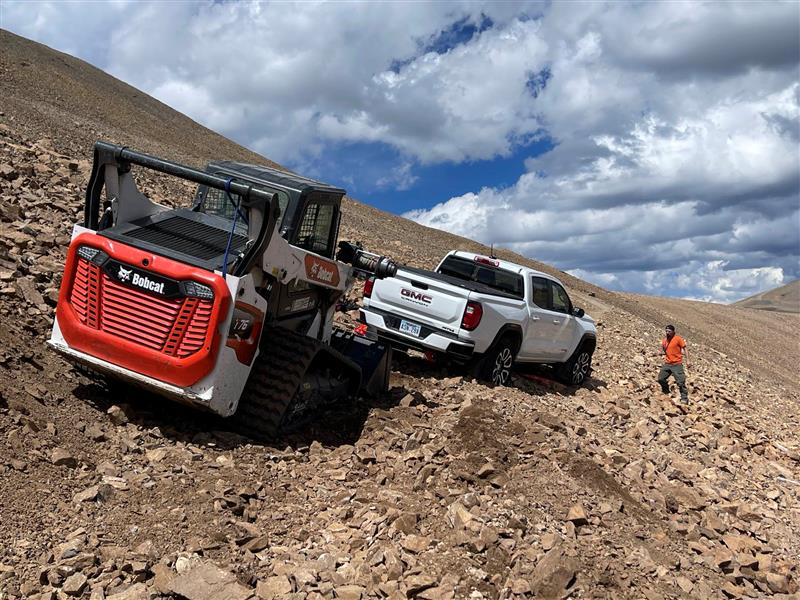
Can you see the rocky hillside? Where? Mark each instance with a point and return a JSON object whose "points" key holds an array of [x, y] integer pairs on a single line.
{"points": [[442, 488], [42, 88], [783, 299]]}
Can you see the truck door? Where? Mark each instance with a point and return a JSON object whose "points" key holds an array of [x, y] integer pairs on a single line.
{"points": [[565, 326], [541, 331]]}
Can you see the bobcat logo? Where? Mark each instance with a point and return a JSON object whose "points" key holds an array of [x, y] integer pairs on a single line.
{"points": [[322, 271], [124, 274]]}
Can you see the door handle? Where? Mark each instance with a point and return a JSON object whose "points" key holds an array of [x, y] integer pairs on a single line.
{"points": [[534, 318], [556, 321]]}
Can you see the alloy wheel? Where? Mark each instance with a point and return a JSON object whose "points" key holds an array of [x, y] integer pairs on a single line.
{"points": [[580, 370], [502, 367]]}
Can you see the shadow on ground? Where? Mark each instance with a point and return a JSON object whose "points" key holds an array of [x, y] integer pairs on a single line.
{"points": [[536, 380], [332, 425]]}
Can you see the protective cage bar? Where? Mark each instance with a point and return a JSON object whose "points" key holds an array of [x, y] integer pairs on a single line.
{"points": [[121, 157], [106, 154]]}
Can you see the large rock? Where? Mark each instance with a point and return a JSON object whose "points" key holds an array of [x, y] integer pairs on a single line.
{"points": [[74, 584], [206, 581], [274, 587], [117, 415], [417, 583], [577, 515], [553, 575], [138, 591], [63, 458]]}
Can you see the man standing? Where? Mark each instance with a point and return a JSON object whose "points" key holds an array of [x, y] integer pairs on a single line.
{"points": [[673, 347]]}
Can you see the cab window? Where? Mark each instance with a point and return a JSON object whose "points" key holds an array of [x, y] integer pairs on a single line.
{"points": [[316, 229], [215, 202], [495, 278], [561, 302], [541, 292], [457, 267]]}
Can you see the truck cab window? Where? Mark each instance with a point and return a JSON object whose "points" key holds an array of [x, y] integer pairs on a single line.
{"points": [[457, 267], [561, 301], [541, 293], [498, 279], [508, 282]]}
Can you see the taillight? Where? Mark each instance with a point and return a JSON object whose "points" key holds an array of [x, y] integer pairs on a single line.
{"points": [[368, 285], [487, 261], [245, 332], [472, 315]]}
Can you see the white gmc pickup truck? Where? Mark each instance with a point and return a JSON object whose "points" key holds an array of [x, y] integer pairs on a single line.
{"points": [[488, 311]]}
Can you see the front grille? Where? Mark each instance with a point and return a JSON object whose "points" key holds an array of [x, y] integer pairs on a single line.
{"points": [[86, 293], [188, 237], [175, 327]]}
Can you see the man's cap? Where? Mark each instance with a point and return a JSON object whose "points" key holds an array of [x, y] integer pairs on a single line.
{"points": [[670, 327]]}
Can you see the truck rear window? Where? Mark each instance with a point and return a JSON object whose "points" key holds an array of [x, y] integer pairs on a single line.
{"points": [[495, 278]]}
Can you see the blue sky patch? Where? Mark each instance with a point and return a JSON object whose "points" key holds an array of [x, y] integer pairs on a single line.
{"points": [[537, 82], [366, 170], [459, 32]]}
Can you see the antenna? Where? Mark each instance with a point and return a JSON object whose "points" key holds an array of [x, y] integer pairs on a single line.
{"points": [[491, 251]]}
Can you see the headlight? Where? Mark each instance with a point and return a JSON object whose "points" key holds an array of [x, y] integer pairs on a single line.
{"points": [[198, 290], [93, 255]]}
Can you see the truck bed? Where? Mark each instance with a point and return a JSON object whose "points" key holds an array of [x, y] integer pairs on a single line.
{"points": [[467, 284]]}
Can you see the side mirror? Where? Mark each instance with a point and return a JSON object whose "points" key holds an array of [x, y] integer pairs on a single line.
{"points": [[578, 312]]}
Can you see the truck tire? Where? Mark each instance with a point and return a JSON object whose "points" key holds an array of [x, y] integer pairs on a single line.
{"points": [[495, 366], [265, 408], [576, 370]]}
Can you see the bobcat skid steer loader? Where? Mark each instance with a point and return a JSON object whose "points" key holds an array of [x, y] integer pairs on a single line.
{"points": [[226, 305]]}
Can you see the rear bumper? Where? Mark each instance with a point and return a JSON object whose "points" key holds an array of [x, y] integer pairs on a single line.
{"points": [[173, 392], [435, 340]]}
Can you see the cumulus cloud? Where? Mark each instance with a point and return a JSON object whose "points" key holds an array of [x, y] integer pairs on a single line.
{"points": [[673, 127], [713, 281], [284, 79], [663, 165], [401, 177]]}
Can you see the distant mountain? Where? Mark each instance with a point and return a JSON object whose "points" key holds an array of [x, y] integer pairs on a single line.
{"points": [[49, 94], [783, 299]]}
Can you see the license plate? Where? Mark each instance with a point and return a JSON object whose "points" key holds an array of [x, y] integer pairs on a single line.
{"points": [[410, 328]]}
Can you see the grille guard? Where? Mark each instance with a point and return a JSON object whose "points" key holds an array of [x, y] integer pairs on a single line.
{"points": [[169, 354]]}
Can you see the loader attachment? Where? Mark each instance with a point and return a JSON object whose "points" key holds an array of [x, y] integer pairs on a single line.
{"points": [[373, 357]]}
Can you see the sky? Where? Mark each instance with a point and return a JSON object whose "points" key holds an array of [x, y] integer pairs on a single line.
{"points": [[651, 147]]}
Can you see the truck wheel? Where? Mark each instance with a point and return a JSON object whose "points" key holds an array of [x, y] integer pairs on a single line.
{"points": [[577, 368], [495, 366]]}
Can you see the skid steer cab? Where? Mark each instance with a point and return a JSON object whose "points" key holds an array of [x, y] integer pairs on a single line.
{"points": [[226, 304]]}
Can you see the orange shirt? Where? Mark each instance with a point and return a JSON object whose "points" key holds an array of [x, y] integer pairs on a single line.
{"points": [[673, 348]]}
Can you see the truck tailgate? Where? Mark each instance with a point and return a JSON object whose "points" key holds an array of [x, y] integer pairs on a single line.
{"points": [[420, 298]]}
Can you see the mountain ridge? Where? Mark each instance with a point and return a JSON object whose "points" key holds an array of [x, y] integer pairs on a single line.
{"points": [[785, 298]]}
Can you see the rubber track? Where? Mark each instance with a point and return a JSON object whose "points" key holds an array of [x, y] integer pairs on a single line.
{"points": [[274, 382]]}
